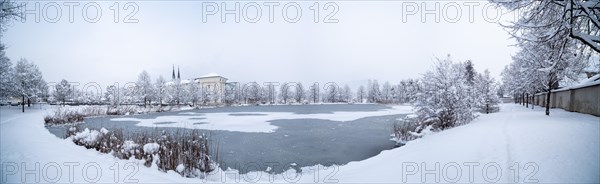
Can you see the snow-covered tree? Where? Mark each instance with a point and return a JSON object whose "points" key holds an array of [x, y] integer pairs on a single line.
{"points": [[161, 89], [332, 92], [193, 93], [252, 93], [386, 93], [9, 10], [441, 100], [6, 75], [175, 92], [28, 81], [299, 93], [398, 93], [313, 93], [145, 89], [373, 93], [346, 94], [486, 89], [113, 95], [232, 94], [129, 94], [470, 75], [284, 93], [578, 19], [470, 72], [361, 94], [555, 38], [540, 65], [63, 91], [269, 94]]}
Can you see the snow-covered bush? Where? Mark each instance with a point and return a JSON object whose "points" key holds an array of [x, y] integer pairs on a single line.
{"points": [[190, 149], [402, 131], [188, 153], [447, 96], [87, 137], [444, 100], [70, 115], [130, 148], [122, 110], [409, 128], [63, 116], [151, 148]]}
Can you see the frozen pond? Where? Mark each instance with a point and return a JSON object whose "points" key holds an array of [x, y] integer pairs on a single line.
{"points": [[283, 136]]}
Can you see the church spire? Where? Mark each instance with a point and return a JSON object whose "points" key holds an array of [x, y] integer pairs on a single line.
{"points": [[178, 77], [173, 76]]}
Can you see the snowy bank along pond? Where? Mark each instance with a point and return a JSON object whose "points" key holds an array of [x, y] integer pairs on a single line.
{"points": [[272, 138]]}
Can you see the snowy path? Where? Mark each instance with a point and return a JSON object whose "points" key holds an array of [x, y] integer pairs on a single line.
{"points": [[527, 145], [524, 144]]}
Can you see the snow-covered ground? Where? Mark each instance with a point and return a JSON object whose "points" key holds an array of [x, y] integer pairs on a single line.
{"points": [[514, 145]]}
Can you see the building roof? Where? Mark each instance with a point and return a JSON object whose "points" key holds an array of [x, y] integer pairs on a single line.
{"points": [[211, 75], [592, 81]]}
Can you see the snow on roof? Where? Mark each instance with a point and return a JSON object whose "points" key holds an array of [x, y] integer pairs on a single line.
{"points": [[211, 75], [185, 81], [592, 81]]}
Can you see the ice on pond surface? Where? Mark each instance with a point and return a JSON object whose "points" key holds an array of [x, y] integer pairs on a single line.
{"points": [[251, 121]]}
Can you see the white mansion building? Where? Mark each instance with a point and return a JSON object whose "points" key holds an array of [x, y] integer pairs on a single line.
{"points": [[212, 84]]}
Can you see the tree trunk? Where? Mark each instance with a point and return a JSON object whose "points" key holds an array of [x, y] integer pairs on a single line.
{"points": [[28, 102], [548, 103], [23, 103], [528, 102], [532, 101]]}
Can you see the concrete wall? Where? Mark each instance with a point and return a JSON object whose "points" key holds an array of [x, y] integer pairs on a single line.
{"points": [[584, 100]]}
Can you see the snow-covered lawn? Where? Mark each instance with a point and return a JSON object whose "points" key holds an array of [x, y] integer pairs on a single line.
{"points": [[524, 144]]}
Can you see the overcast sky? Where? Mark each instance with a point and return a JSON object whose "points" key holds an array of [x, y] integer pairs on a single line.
{"points": [[370, 41]]}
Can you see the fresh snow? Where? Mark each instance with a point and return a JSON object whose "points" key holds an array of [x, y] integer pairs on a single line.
{"points": [[561, 148], [130, 147], [87, 137], [103, 130], [151, 148], [261, 123], [180, 168]]}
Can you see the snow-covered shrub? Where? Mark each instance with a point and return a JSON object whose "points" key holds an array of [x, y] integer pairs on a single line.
{"points": [[188, 153], [130, 148], [122, 110], [63, 116], [151, 148], [103, 140], [70, 115], [410, 128], [402, 131], [87, 137], [445, 97], [71, 131], [190, 149]]}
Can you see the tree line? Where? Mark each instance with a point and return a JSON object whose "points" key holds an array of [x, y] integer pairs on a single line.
{"points": [[556, 40], [146, 91], [24, 80]]}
